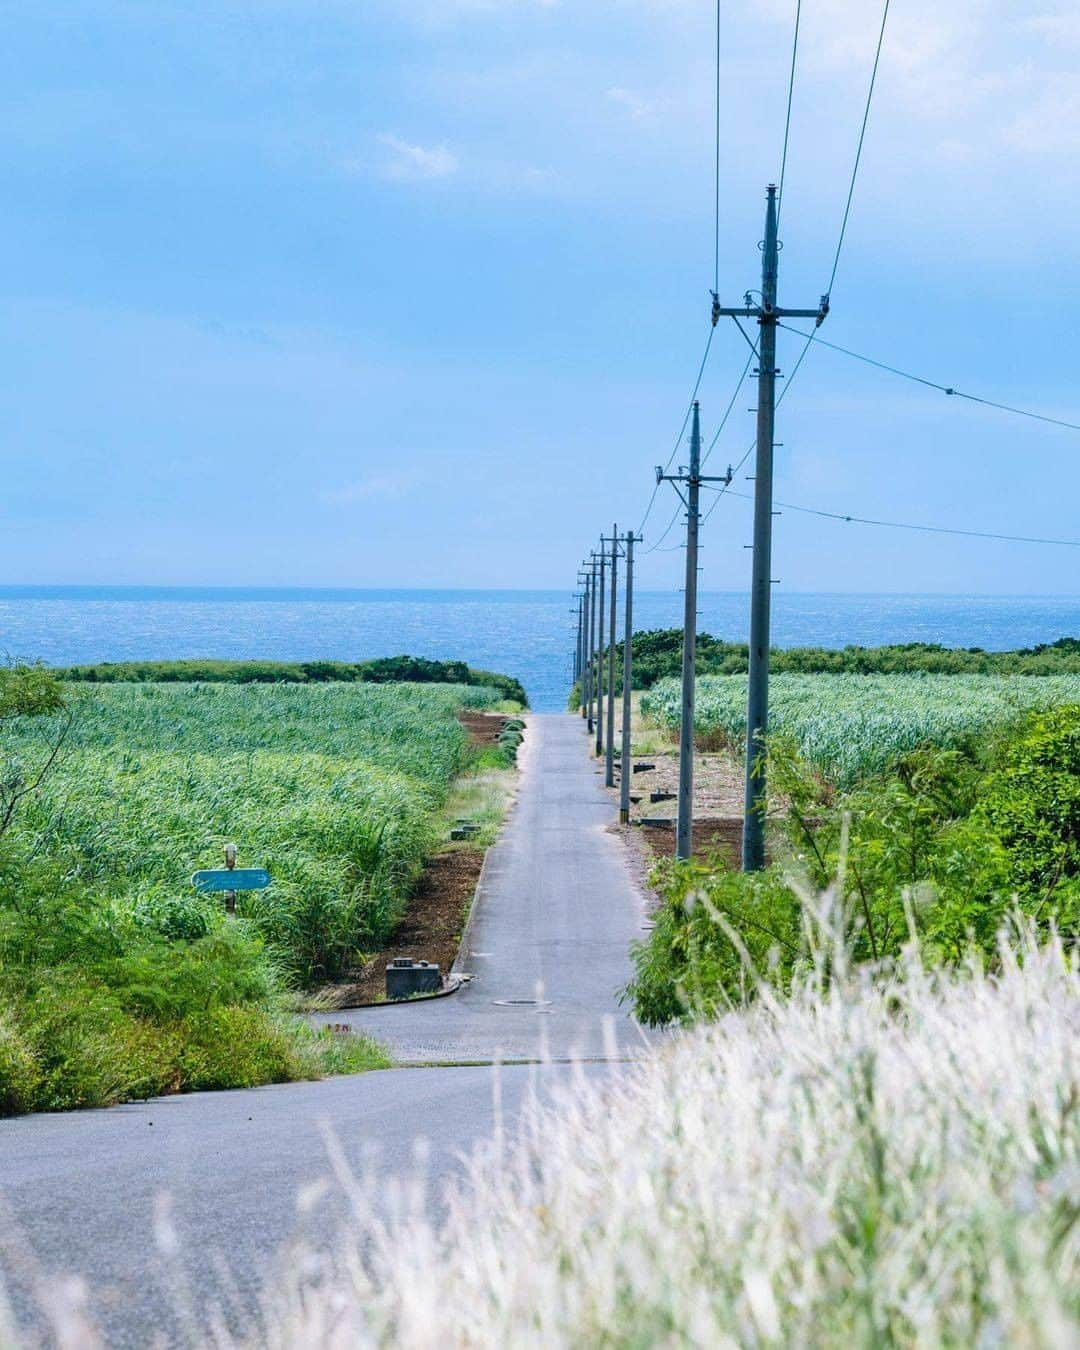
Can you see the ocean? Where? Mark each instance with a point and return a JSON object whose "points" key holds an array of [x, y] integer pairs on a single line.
{"points": [[527, 634]]}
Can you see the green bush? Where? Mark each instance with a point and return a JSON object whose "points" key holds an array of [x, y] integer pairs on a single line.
{"points": [[89, 1051], [946, 847], [20, 1076], [237, 1047], [690, 969]]}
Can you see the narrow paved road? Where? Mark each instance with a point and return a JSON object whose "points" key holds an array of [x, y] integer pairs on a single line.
{"points": [[555, 913], [554, 917]]}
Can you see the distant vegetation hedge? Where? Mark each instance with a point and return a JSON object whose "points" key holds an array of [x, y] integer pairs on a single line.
{"points": [[658, 654], [382, 670]]}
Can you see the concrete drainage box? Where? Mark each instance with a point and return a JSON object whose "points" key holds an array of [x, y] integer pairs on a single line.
{"points": [[404, 978]]}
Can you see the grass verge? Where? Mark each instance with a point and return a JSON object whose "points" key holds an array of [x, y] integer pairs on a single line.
{"points": [[858, 1162]]}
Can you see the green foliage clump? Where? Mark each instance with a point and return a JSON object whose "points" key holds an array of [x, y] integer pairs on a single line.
{"points": [[106, 1022], [20, 1075], [946, 848], [380, 670], [1030, 802], [29, 691], [690, 969]]}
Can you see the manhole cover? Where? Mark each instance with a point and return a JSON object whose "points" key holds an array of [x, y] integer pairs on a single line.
{"points": [[523, 1002]]}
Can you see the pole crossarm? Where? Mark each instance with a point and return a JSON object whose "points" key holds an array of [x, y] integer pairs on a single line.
{"points": [[775, 312]]}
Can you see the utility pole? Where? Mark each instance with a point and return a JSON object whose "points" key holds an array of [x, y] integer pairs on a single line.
{"points": [[626, 769], [768, 314], [580, 597], [585, 630], [600, 657], [609, 765], [575, 668], [583, 581], [591, 642], [693, 479]]}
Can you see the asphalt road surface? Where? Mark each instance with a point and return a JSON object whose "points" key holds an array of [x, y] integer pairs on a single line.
{"points": [[547, 953]]}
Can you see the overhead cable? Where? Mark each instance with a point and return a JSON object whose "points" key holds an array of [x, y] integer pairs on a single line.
{"points": [[908, 525], [933, 384]]}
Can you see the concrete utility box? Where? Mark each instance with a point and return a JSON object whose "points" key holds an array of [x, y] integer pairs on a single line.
{"points": [[405, 977]]}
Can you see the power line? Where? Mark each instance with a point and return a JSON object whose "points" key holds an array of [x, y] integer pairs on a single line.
{"points": [[787, 119], [859, 150], [716, 234], [728, 409], [667, 530], [933, 384], [682, 429], [656, 547], [751, 447], [907, 525], [812, 336]]}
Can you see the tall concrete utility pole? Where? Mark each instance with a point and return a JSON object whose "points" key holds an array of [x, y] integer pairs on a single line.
{"points": [[576, 667], [583, 582], [625, 767], [768, 314], [600, 657], [590, 644], [609, 762], [684, 830]]}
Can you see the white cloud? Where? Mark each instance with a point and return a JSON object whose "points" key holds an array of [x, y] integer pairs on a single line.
{"points": [[415, 162], [639, 108], [381, 486]]}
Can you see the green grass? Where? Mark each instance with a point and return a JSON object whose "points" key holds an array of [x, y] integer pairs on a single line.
{"points": [[118, 980], [335, 789], [851, 726]]}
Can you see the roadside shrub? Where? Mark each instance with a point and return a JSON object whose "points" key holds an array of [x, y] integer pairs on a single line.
{"points": [[177, 916], [237, 1047], [690, 968], [326, 1052], [944, 847], [19, 1073], [89, 1051], [1031, 803], [175, 980]]}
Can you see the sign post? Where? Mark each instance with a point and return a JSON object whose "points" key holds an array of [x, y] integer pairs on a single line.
{"points": [[230, 879]]}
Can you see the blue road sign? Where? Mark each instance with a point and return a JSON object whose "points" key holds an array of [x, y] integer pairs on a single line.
{"points": [[231, 879]]}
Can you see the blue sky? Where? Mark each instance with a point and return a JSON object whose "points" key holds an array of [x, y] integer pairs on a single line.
{"points": [[360, 292]]}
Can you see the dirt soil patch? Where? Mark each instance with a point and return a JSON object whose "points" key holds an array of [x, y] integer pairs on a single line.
{"points": [[711, 837], [718, 785], [484, 728], [430, 930]]}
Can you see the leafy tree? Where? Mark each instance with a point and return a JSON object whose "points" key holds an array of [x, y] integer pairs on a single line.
{"points": [[29, 691]]}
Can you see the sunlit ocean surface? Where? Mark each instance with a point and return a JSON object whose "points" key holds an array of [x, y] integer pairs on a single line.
{"points": [[523, 633]]}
